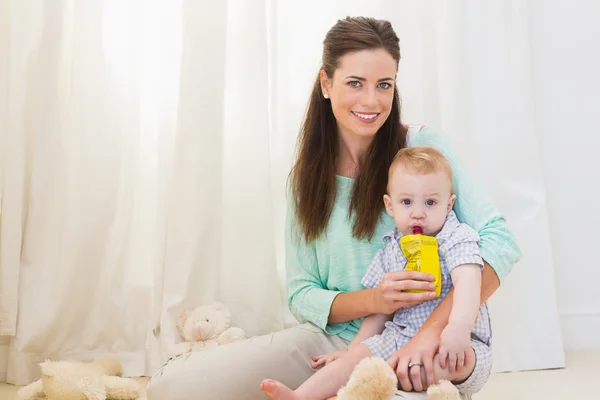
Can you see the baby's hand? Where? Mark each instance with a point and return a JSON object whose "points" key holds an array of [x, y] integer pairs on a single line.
{"points": [[455, 342], [327, 358]]}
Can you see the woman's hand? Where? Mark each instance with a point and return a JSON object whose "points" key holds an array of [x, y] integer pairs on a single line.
{"points": [[419, 351], [389, 296], [327, 358]]}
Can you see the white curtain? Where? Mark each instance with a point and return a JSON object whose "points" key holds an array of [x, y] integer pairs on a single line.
{"points": [[145, 147], [81, 151], [219, 213]]}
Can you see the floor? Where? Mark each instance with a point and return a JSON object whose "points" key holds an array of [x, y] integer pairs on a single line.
{"points": [[575, 382]]}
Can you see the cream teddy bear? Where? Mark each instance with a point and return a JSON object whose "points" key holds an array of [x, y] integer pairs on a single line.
{"points": [[205, 327], [373, 379], [75, 380]]}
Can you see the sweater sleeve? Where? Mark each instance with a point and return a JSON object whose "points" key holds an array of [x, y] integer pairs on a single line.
{"points": [[498, 245], [308, 298]]}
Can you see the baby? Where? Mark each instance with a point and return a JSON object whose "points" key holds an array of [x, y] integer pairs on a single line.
{"points": [[419, 194]]}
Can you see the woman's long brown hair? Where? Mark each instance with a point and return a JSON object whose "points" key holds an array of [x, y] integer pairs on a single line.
{"points": [[313, 176]]}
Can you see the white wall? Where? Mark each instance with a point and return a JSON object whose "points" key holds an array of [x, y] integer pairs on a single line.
{"points": [[565, 71]]}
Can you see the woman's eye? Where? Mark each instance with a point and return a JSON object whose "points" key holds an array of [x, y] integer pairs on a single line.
{"points": [[354, 84], [406, 202], [385, 85], [430, 202]]}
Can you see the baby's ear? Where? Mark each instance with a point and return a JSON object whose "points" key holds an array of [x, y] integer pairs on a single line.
{"points": [[451, 201], [388, 205]]}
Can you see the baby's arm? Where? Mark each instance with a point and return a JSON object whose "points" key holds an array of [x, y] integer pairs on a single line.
{"points": [[463, 259], [371, 325], [466, 280], [456, 337]]}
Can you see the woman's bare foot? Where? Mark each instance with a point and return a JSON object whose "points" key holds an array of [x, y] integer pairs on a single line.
{"points": [[277, 391]]}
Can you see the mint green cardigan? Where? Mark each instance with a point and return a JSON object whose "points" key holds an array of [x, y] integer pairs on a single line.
{"points": [[336, 262]]}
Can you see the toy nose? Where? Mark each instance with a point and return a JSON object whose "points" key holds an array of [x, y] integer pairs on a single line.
{"points": [[203, 330]]}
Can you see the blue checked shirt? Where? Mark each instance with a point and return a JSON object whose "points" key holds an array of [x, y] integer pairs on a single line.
{"points": [[457, 245]]}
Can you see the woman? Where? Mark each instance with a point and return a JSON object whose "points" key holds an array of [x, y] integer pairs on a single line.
{"points": [[334, 227]]}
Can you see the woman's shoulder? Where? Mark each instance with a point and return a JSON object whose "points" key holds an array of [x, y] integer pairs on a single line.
{"points": [[425, 135], [411, 133]]}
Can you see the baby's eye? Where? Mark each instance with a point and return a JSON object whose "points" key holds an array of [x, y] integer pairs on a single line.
{"points": [[384, 85], [406, 202], [207, 320], [354, 84], [430, 202]]}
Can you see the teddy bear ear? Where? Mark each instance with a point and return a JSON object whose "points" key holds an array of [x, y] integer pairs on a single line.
{"points": [[181, 322], [221, 307]]}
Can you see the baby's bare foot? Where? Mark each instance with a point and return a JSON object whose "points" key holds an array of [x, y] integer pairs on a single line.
{"points": [[277, 391]]}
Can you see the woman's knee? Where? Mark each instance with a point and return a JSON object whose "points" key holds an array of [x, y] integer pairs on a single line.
{"points": [[175, 380], [247, 362]]}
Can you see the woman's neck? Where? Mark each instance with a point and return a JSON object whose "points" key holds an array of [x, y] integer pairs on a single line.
{"points": [[351, 154]]}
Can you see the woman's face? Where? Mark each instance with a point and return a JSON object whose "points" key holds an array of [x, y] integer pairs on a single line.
{"points": [[361, 91]]}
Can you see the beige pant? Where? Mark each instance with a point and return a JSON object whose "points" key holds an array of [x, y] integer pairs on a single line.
{"points": [[234, 371]]}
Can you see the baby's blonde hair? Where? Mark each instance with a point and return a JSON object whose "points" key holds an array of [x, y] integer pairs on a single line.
{"points": [[422, 160]]}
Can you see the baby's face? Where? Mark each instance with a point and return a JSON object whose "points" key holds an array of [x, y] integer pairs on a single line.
{"points": [[417, 199]]}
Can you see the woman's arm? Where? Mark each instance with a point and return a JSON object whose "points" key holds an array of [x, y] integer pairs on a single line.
{"points": [[352, 305], [308, 299], [372, 325]]}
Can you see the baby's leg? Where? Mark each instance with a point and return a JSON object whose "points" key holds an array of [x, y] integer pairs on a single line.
{"points": [[324, 383]]}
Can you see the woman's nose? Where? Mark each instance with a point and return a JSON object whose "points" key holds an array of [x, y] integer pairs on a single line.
{"points": [[369, 98]]}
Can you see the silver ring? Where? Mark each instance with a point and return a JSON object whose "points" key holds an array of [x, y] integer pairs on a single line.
{"points": [[412, 364]]}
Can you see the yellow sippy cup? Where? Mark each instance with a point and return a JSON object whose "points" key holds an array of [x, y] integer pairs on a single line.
{"points": [[421, 251]]}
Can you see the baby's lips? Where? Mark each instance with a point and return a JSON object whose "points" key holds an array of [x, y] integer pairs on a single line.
{"points": [[417, 229]]}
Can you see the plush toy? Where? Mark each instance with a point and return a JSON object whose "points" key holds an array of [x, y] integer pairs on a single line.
{"points": [[205, 327], [373, 379], [75, 380]]}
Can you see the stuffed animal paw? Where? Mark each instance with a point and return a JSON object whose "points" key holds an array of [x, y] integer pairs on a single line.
{"points": [[372, 379], [444, 390]]}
